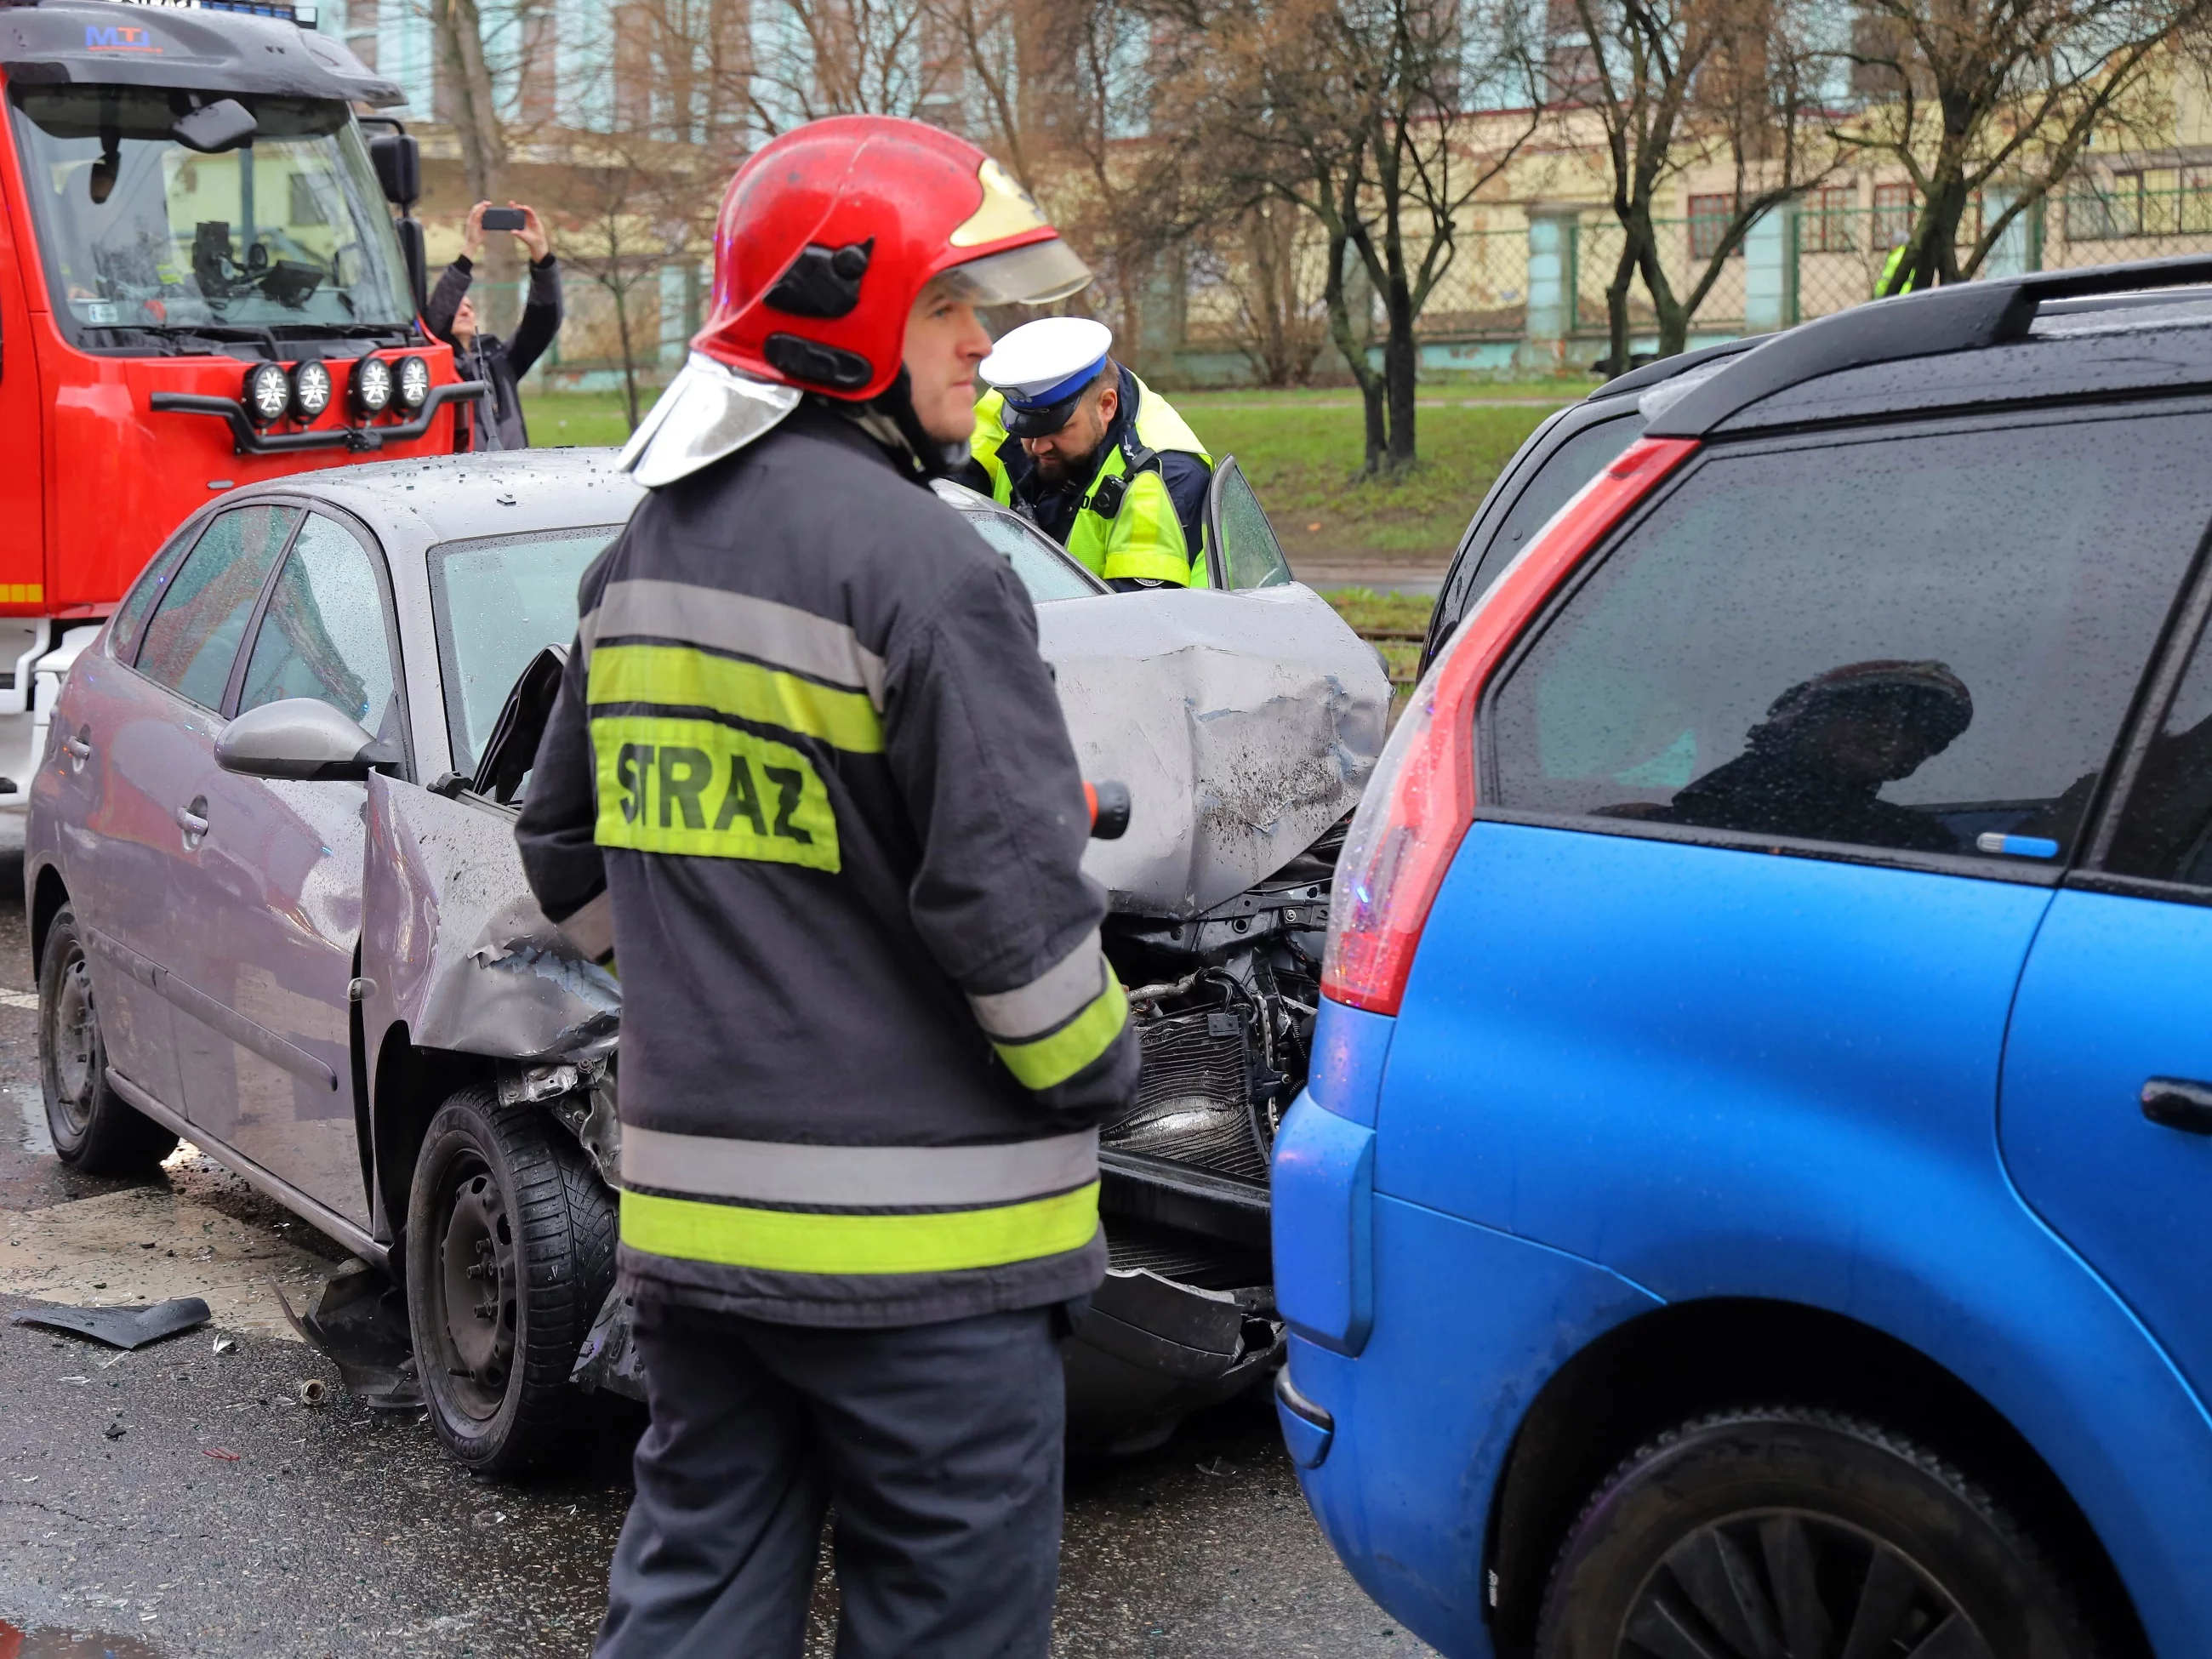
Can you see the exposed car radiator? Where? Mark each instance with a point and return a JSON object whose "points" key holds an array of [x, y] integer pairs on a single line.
{"points": [[1194, 1097]]}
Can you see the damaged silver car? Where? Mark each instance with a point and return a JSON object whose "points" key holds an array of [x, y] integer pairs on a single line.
{"points": [[277, 909]]}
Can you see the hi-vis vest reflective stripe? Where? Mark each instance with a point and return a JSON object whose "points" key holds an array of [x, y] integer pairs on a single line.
{"points": [[814, 1209], [707, 709], [1143, 538]]}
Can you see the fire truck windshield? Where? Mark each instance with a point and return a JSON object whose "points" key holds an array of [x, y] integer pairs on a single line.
{"points": [[286, 232]]}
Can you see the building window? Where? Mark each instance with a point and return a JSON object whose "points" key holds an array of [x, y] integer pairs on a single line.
{"points": [[1824, 220], [2097, 212], [1709, 218], [1895, 207], [361, 22]]}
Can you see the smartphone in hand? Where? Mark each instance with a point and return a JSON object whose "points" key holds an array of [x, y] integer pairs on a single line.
{"points": [[505, 219]]}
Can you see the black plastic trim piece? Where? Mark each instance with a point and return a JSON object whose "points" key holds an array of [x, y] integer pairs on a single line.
{"points": [[247, 439], [1666, 368], [1961, 317], [1193, 1200]]}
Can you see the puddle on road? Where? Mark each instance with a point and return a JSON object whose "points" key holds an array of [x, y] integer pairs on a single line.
{"points": [[17, 1644]]}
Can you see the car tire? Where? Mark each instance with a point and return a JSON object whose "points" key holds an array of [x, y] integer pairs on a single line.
{"points": [[95, 1129], [1782, 1531], [510, 1252]]}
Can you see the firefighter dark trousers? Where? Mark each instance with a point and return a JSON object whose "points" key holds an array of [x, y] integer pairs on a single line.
{"points": [[940, 1447]]}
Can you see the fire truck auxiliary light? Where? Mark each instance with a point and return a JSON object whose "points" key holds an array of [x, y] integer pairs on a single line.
{"points": [[267, 392], [311, 391], [414, 382], [371, 386]]}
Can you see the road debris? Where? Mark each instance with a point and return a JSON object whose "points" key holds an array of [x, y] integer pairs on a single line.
{"points": [[358, 1320], [221, 1454], [313, 1391], [122, 1327], [225, 1345]]}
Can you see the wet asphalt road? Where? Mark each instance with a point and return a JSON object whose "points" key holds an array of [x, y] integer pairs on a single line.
{"points": [[180, 1501]]}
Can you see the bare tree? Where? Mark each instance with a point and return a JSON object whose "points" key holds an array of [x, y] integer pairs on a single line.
{"points": [[1674, 84], [1384, 119], [1969, 93], [1270, 268]]}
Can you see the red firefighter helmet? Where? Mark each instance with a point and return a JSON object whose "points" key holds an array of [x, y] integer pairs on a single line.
{"points": [[829, 233]]}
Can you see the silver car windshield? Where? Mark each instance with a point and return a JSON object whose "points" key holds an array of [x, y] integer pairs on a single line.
{"points": [[495, 605], [1047, 573], [287, 229]]}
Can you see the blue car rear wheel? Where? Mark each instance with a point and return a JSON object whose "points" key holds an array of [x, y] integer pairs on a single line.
{"points": [[1787, 1535]]}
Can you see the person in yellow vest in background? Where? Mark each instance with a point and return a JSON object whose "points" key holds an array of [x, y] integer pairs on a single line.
{"points": [[1889, 284], [1092, 456]]}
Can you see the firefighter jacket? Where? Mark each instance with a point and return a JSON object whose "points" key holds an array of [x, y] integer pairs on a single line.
{"points": [[1141, 513], [808, 781]]}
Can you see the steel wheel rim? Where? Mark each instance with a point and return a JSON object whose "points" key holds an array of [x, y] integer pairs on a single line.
{"points": [[73, 1042], [1787, 1583], [477, 1308]]}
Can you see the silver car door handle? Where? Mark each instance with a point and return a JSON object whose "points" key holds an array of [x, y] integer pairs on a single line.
{"points": [[78, 749], [193, 823]]}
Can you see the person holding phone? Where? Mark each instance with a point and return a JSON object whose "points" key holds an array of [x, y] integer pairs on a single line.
{"points": [[495, 421]]}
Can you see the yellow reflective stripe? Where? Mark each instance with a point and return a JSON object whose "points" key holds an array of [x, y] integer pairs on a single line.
{"points": [[989, 436], [1050, 1060], [679, 675], [711, 790], [813, 1242]]}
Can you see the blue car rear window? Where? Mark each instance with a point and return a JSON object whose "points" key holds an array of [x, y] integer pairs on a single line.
{"points": [[1923, 642]]}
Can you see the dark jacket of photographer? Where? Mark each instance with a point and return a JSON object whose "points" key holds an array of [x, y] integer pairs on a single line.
{"points": [[496, 420]]}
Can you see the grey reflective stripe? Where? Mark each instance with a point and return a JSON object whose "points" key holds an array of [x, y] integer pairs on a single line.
{"points": [[781, 635], [1048, 1001], [857, 1177], [592, 928]]}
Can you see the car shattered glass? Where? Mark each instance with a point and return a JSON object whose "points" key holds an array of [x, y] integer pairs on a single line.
{"points": [[194, 633], [323, 635], [141, 233], [1924, 643], [495, 605]]}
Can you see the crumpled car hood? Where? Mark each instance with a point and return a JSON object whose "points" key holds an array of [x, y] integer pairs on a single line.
{"points": [[1244, 725]]}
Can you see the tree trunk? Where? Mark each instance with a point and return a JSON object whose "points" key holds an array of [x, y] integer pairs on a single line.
{"points": [[1616, 306], [1354, 351], [1400, 359], [459, 29], [1667, 308], [619, 288]]}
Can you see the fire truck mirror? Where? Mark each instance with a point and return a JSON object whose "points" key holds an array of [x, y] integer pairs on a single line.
{"points": [[223, 124], [399, 162]]}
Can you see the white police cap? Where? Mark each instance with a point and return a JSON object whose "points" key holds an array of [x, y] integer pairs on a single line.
{"points": [[1042, 367]]}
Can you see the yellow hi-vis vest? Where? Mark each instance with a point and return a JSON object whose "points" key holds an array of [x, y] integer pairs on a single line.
{"points": [[1140, 536]]}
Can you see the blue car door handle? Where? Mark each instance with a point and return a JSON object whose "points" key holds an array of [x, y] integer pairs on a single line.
{"points": [[2177, 1102]]}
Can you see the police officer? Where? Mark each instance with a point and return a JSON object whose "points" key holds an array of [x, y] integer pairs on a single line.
{"points": [[806, 785], [1091, 455]]}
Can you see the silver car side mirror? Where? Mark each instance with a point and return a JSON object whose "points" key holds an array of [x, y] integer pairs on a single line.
{"points": [[300, 739]]}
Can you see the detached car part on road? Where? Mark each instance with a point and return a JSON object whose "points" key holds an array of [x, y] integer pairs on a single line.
{"points": [[277, 909]]}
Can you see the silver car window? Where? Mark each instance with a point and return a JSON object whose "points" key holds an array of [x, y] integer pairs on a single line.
{"points": [[495, 605], [194, 635], [323, 634]]}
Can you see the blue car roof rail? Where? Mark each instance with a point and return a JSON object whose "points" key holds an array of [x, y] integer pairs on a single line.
{"points": [[1961, 317]]}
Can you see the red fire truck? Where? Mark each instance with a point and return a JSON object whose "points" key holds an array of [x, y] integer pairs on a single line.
{"points": [[201, 284]]}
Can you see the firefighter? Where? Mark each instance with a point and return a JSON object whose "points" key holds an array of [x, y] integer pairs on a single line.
{"points": [[806, 786], [1091, 455]]}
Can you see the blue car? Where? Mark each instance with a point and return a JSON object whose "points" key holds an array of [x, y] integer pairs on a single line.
{"points": [[1754, 1195]]}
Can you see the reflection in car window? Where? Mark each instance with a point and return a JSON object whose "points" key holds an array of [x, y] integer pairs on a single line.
{"points": [[2166, 832], [323, 635], [1046, 574], [201, 621], [495, 605], [123, 632], [1924, 643]]}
